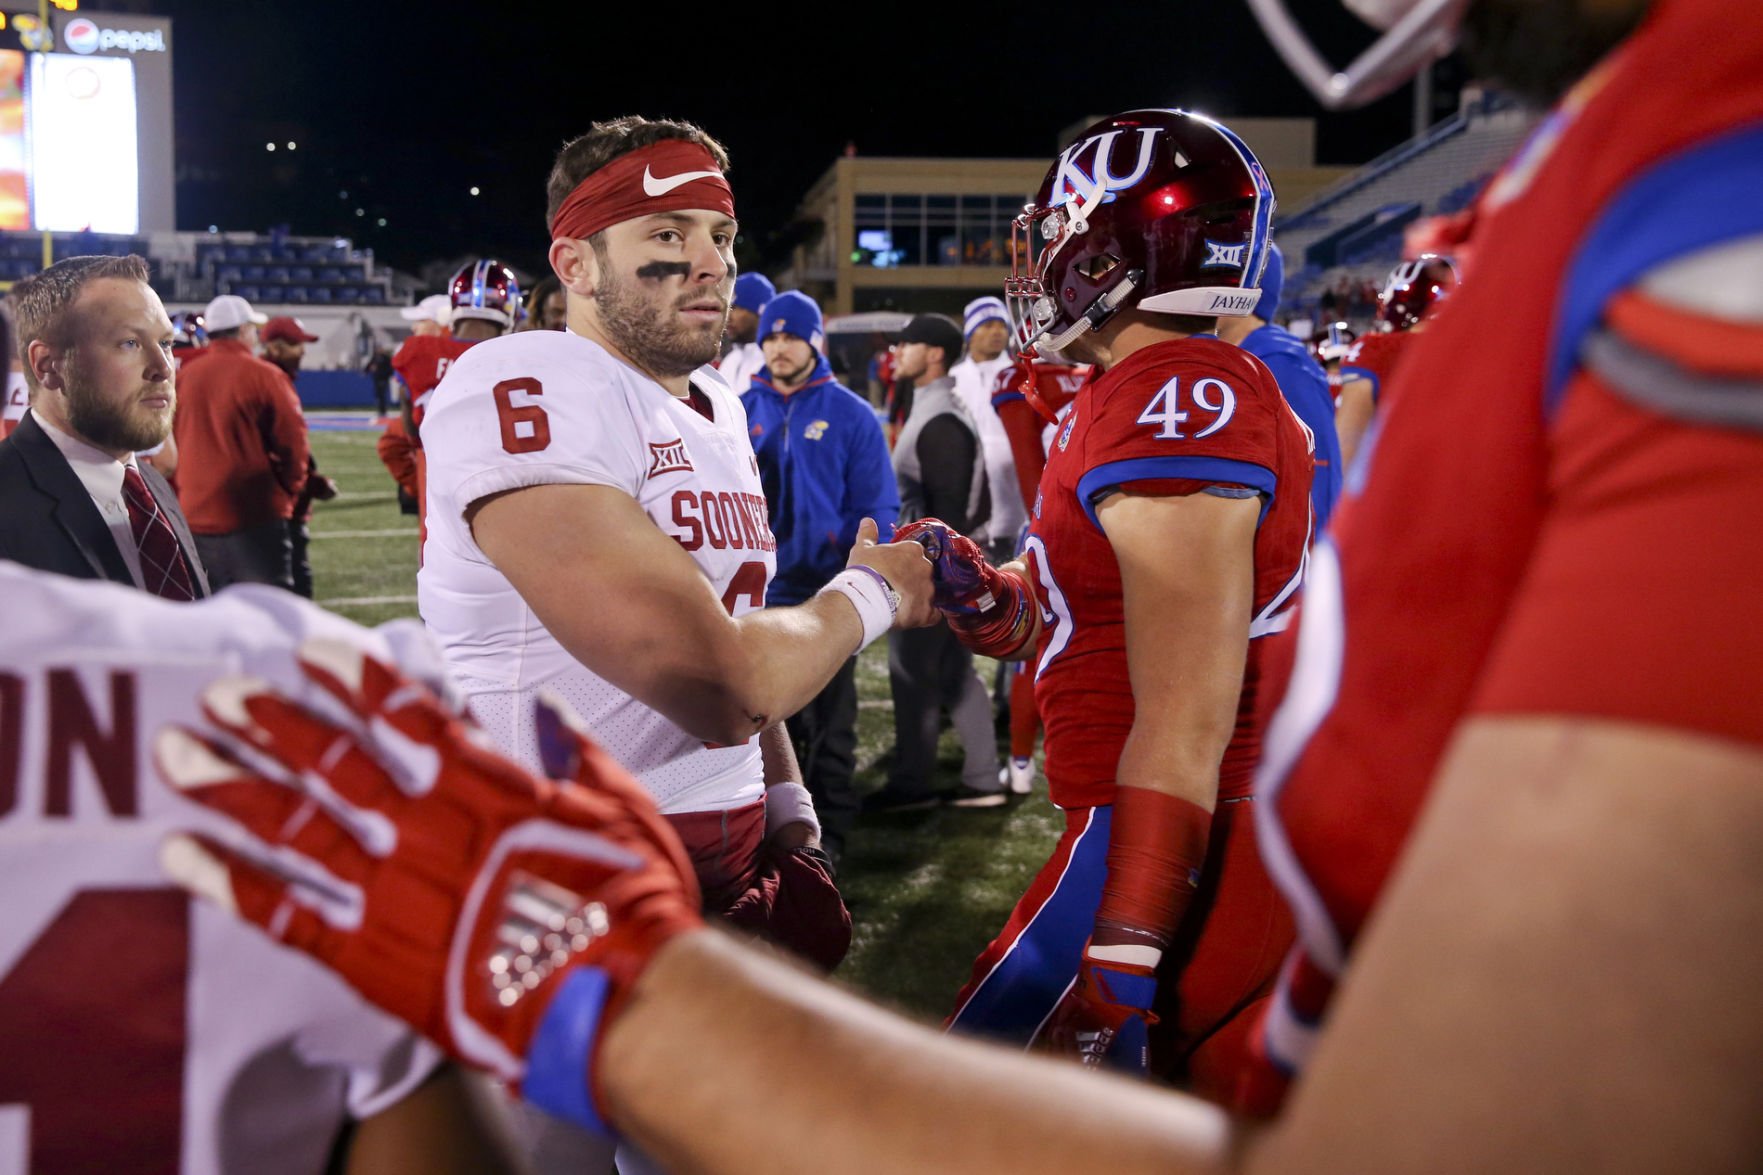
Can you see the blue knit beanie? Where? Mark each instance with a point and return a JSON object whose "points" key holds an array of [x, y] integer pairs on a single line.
{"points": [[753, 291], [793, 313]]}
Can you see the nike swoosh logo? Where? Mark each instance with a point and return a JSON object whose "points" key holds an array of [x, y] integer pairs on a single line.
{"points": [[660, 187]]}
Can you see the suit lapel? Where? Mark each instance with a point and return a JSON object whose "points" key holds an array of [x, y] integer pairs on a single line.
{"points": [[174, 514], [72, 506]]}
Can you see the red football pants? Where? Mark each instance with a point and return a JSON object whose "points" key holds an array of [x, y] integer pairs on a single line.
{"points": [[724, 849]]}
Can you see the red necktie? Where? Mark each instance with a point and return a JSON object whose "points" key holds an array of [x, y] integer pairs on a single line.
{"points": [[163, 570]]}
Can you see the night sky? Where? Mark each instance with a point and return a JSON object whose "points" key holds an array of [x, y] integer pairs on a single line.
{"points": [[406, 107]]}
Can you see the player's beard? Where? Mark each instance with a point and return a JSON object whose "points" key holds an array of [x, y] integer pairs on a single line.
{"points": [[1537, 49], [648, 333], [132, 426]]}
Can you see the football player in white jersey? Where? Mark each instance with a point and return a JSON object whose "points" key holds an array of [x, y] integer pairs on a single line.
{"points": [[138, 1030], [597, 528]]}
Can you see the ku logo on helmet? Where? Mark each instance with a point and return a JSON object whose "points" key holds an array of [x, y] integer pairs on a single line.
{"points": [[1100, 179]]}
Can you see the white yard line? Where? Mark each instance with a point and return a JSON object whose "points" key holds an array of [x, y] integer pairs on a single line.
{"points": [[362, 534], [364, 601]]}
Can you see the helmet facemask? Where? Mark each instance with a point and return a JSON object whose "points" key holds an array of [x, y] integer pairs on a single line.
{"points": [[1415, 33], [1098, 282]]}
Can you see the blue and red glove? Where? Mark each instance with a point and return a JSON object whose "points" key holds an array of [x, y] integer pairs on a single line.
{"points": [[507, 917], [992, 611], [1105, 1016], [1156, 851]]}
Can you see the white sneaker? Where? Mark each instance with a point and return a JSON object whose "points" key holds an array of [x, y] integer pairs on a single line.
{"points": [[1018, 776]]}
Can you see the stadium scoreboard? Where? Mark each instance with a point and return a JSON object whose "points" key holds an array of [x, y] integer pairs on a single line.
{"points": [[85, 121]]}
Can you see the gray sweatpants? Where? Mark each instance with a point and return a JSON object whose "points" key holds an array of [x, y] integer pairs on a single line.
{"points": [[930, 672]]}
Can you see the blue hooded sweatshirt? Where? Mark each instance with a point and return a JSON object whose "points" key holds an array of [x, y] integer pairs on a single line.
{"points": [[825, 467]]}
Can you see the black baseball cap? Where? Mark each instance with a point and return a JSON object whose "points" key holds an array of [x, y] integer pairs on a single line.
{"points": [[936, 330]]}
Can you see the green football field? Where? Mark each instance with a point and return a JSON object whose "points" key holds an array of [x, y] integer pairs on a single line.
{"points": [[927, 890]]}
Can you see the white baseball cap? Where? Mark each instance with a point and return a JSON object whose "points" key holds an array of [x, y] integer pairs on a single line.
{"points": [[434, 308], [229, 311]]}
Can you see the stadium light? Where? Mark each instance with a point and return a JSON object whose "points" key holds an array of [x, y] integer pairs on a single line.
{"points": [[474, 191], [269, 146]]}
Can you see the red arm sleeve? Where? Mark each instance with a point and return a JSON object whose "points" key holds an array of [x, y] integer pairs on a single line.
{"points": [[1023, 426]]}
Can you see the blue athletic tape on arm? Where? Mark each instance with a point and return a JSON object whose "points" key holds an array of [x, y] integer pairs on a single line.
{"points": [[557, 1063]]}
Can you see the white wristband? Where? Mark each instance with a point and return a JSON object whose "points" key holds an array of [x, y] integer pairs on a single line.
{"points": [[870, 594], [789, 803]]}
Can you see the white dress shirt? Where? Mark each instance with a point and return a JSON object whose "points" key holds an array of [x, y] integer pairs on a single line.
{"points": [[102, 475]]}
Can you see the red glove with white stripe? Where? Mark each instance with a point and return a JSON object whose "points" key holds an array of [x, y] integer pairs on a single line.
{"points": [[503, 915]]}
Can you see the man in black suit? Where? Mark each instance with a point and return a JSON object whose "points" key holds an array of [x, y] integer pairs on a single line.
{"points": [[96, 344]]}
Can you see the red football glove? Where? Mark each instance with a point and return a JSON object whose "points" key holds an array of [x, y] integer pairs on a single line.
{"points": [[992, 611], [1103, 1018], [504, 915]]}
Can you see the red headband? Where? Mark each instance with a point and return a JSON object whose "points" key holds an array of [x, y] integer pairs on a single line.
{"points": [[648, 180]]}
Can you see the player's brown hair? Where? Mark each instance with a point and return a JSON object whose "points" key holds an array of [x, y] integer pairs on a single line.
{"points": [[41, 302], [605, 141]]}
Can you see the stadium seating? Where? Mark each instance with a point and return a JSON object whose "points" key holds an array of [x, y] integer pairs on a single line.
{"points": [[1353, 231], [275, 268], [295, 270]]}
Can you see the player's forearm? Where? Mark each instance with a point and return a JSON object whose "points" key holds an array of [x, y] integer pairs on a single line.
{"points": [[784, 657], [778, 755], [731, 679], [863, 1090], [1178, 738]]}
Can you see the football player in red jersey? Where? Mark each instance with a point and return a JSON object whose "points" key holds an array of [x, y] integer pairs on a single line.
{"points": [[1153, 909], [1411, 293], [1543, 705], [485, 302]]}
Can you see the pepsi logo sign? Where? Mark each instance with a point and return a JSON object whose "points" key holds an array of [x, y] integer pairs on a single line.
{"points": [[81, 36], [85, 36]]}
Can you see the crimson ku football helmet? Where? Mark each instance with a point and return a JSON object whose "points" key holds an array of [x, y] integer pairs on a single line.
{"points": [[486, 289], [1413, 289], [1163, 210]]}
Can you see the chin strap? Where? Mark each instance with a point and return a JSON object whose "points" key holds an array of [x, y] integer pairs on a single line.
{"points": [[1100, 311]]}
